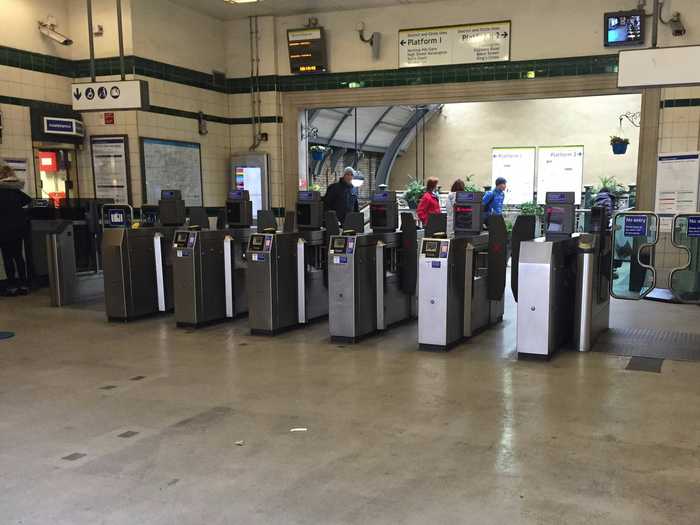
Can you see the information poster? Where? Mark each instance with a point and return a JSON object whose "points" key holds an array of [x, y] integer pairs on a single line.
{"points": [[110, 168], [250, 179], [559, 168], [463, 44], [172, 165], [20, 167], [517, 166], [677, 181]]}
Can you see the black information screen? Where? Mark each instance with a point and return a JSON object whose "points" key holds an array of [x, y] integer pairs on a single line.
{"points": [[464, 216], [307, 51], [303, 214], [431, 248], [625, 28], [378, 215], [181, 238]]}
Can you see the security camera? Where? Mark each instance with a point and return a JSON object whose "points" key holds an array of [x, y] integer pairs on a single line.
{"points": [[677, 27], [49, 30]]}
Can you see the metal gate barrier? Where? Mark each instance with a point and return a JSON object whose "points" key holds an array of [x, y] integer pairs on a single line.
{"points": [[684, 281], [635, 235]]}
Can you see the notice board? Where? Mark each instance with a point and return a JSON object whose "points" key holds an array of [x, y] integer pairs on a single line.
{"points": [[110, 168], [517, 166], [559, 168], [677, 181], [171, 165]]}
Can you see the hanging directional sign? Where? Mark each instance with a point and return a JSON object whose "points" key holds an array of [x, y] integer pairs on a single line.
{"points": [[463, 44], [101, 96]]}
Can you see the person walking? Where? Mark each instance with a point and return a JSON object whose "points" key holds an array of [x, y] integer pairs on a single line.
{"points": [[430, 201], [341, 196], [13, 227], [605, 199], [457, 186], [493, 200]]}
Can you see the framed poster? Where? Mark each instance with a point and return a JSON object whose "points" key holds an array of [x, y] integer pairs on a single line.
{"points": [[110, 167], [559, 168], [677, 181], [517, 166], [171, 165]]}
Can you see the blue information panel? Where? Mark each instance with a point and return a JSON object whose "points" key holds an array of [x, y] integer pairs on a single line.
{"points": [[636, 226], [694, 226]]}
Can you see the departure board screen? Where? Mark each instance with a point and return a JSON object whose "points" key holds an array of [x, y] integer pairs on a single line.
{"points": [[307, 51]]}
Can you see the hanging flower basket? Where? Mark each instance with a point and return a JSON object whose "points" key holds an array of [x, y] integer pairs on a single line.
{"points": [[317, 153], [619, 145]]}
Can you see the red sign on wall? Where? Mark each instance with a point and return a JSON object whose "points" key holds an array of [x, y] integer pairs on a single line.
{"points": [[47, 161], [109, 118]]}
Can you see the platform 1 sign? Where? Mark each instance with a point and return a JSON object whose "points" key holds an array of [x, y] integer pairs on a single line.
{"points": [[107, 96], [463, 44]]}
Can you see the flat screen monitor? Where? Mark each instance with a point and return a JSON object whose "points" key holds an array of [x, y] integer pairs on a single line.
{"points": [[624, 28]]}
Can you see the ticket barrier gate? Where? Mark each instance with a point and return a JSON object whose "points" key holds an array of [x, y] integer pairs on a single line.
{"points": [[635, 235], [372, 276], [684, 281], [271, 278], [209, 268], [462, 280], [562, 282], [138, 261]]}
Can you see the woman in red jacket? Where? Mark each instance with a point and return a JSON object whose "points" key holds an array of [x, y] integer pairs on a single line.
{"points": [[430, 202]]}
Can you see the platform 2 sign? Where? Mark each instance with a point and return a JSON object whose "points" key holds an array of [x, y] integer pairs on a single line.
{"points": [[307, 51], [463, 44], [636, 226]]}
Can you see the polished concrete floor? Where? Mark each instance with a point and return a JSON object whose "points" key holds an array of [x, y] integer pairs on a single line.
{"points": [[163, 426]]}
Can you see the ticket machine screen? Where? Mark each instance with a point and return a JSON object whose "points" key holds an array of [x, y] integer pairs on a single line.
{"points": [[181, 239], [339, 244], [257, 242], [116, 218], [431, 249]]}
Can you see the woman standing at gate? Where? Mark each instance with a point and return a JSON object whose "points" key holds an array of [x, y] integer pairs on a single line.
{"points": [[13, 226], [430, 202]]}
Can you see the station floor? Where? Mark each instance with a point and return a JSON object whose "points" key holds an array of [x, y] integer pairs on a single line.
{"points": [[147, 424]]}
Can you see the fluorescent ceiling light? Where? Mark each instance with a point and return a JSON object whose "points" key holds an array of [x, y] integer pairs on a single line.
{"points": [[240, 1]]}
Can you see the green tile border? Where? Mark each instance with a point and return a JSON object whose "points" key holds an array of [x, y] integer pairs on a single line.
{"points": [[680, 103], [556, 67]]}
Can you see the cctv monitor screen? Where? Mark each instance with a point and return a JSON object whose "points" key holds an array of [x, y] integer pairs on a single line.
{"points": [[624, 28]]}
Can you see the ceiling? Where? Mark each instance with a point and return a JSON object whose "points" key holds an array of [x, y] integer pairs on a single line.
{"points": [[223, 11]]}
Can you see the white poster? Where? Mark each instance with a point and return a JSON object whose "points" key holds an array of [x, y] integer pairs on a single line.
{"points": [[517, 166], [250, 178], [109, 167], [559, 168], [20, 167], [172, 165], [464, 44], [677, 179]]}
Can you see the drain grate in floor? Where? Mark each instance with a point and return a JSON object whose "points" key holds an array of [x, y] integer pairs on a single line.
{"points": [[645, 364], [646, 342]]}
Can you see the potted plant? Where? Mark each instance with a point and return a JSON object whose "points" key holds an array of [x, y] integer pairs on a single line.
{"points": [[318, 152], [619, 145], [413, 192], [469, 184]]}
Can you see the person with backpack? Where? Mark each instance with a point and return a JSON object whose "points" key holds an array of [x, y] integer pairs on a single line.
{"points": [[493, 200], [13, 228], [605, 199]]}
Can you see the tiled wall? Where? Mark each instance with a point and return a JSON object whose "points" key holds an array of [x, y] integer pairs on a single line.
{"points": [[680, 120], [17, 138]]}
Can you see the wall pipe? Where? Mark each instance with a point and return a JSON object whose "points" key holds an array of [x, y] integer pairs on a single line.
{"points": [[120, 33], [91, 41]]}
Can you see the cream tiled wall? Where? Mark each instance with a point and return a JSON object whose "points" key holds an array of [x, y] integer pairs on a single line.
{"points": [[680, 127], [32, 85], [17, 139]]}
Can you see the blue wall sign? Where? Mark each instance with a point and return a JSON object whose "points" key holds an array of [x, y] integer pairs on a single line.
{"points": [[63, 126], [636, 226]]}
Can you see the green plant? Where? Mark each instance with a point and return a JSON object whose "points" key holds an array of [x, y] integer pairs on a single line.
{"points": [[469, 184], [611, 183], [413, 192], [531, 208], [317, 147], [614, 139]]}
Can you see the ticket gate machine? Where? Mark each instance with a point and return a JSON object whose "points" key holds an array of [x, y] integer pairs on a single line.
{"points": [[462, 280], [547, 281], [207, 268], [372, 276], [271, 277], [312, 258], [137, 262]]}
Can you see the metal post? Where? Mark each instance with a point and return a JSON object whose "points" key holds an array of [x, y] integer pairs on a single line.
{"points": [[120, 33], [655, 23], [91, 41]]}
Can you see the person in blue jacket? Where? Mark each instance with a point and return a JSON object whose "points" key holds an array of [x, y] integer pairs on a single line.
{"points": [[493, 200]]}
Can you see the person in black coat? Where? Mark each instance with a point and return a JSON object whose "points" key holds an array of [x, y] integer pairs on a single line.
{"points": [[341, 196], [605, 199], [13, 227]]}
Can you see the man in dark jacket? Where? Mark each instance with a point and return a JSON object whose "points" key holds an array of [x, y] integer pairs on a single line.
{"points": [[341, 196], [605, 199], [13, 226]]}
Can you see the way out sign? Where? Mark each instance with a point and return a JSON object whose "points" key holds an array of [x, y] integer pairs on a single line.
{"points": [[464, 44], [106, 96]]}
